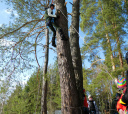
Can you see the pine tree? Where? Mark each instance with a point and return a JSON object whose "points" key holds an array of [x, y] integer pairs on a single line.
{"points": [[26, 34], [24, 100], [106, 27], [75, 48], [15, 103], [69, 95]]}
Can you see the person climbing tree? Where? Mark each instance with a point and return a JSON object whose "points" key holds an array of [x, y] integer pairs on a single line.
{"points": [[114, 104], [121, 108], [93, 109], [51, 23]]}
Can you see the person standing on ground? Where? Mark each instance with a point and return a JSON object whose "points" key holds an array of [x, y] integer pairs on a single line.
{"points": [[124, 99], [93, 109], [121, 108], [85, 109]]}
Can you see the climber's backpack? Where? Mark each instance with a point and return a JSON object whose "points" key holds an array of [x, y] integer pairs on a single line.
{"points": [[46, 13]]}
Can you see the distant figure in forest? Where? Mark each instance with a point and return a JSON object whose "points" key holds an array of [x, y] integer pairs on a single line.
{"points": [[51, 23], [114, 104], [124, 99], [122, 103], [85, 109], [93, 109]]}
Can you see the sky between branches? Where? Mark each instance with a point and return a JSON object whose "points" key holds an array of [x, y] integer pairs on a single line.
{"points": [[5, 13]]}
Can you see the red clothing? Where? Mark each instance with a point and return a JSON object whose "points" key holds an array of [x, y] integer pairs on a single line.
{"points": [[85, 101], [120, 106]]}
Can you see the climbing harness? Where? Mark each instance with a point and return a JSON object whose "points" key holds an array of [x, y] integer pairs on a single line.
{"points": [[71, 3], [75, 30], [52, 20], [73, 26]]}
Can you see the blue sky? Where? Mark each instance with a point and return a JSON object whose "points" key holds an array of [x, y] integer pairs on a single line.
{"points": [[5, 18], [82, 35]]}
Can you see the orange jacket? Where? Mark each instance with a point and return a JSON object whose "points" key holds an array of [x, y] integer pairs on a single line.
{"points": [[120, 106], [85, 101]]}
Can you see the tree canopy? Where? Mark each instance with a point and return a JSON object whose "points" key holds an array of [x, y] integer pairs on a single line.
{"points": [[22, 48]]}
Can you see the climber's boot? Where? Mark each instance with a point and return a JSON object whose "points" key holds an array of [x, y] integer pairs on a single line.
{"points": [[53, 42]]}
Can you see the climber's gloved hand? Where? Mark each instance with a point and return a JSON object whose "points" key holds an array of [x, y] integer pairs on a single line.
{"points": [[58, 13]]}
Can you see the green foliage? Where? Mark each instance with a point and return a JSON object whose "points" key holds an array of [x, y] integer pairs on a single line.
{"points": [[25, 33], [98, 83], [15, 104], [23, 100], [103, 21], [27, 99], [105, 24], [22, 37], [106, 30], [54, 95]]}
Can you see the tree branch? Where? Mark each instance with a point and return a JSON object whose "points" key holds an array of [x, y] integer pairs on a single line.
{"points": [[21, 27], [96, 61]]}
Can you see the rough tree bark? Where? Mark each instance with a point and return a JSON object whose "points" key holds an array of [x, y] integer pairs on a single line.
{"points": [[69, 95], [75, 48], [44, 80]]}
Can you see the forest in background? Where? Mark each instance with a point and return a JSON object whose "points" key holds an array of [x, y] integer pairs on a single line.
{"points": [[105, 45]]}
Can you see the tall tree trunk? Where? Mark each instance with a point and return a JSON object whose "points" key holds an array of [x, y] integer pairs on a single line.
{"points": [[119, 49], [44, 83], [120, 56], [111, 55], [119, 53], [75, 48], [69, 95], [109, 46]]}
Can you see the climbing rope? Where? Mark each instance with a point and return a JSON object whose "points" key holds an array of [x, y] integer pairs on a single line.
{"points": [[80, 36], [72, 25], [75, 29]]}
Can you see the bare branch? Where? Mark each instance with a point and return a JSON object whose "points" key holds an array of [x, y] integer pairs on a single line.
{"points": [[41, 3], [21, 27], [35, 49], [95, 62]]}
